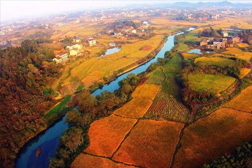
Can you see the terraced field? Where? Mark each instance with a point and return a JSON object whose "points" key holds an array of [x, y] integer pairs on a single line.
{"points": [[167, 103]]}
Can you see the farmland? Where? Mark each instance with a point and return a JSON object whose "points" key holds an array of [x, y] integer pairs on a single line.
{"points": [[94, 69], [87, 161], [222, 131], [136, 108], [167, 103], [107, 134], [214, 61], [241, 102], [187, 56], [244, 72], [146, 91], [237, 53], [146, 145], [209, 83]]}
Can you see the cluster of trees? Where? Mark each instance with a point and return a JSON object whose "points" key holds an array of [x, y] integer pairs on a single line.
{"points": [[161, 61], [24, 73], [209, 32], [89, 108], [121, 24], [241, 157]]}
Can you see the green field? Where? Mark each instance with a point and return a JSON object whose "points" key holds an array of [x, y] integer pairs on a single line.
{"points": [[218, 61], [209, 83], [80, 87], [167, 103], [58, 108]]}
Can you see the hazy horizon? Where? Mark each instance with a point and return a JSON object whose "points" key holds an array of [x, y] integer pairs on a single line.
{"points": [[11, 10]]}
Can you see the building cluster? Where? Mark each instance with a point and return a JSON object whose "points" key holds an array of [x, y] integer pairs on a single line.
{"points": [[127, 31], [70, 51], [220, 43]]}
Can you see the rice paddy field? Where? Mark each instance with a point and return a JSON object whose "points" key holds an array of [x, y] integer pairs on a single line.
{"points": [[139, 135], [87, 161], [93, 69], [237, 53], [218, 61], [242, 45], [136, 108], [209, 83], [106, 134], [146, 91], [242, 102], [211, 137], [146, 146], [244, 72]]}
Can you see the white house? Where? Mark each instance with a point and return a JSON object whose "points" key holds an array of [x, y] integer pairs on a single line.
{"points": [[91, 41]]}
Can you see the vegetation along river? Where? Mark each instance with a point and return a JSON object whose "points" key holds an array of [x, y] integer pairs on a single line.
{"points": [[48, 141]]}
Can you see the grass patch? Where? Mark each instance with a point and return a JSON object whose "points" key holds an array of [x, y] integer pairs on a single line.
{"points": [[209, 83], [214, 61], [80, 87], [59, 108]]}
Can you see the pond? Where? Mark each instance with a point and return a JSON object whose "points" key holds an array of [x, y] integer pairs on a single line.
{"points": [[111, 51], [198, 51]]}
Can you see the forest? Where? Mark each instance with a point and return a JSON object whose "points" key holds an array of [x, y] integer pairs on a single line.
{"points": [[24, 74]]}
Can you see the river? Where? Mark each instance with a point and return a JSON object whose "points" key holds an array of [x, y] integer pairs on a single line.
{"points": [[48, 141]]}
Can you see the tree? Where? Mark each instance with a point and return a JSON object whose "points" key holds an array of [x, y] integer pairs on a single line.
{"points": [[86, 102], [72, 138]]}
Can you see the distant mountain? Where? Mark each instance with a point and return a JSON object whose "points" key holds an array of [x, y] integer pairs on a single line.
{"points": [[210, 4]]}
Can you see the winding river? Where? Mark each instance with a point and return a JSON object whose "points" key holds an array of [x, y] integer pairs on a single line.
{"points": [[48, 140]]}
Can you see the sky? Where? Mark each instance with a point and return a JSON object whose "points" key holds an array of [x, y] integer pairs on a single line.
{"points": [[14, 9]]}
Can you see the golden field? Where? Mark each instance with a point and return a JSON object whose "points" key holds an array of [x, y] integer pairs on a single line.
{"points": [[244, 72], [187, 56], [146, 91], [93, 69], [211, 137], [218, 61], [241, 102], [136, 108], [242, 45], [88, 161], [150, 144], [106, 134], [238, 54]]}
